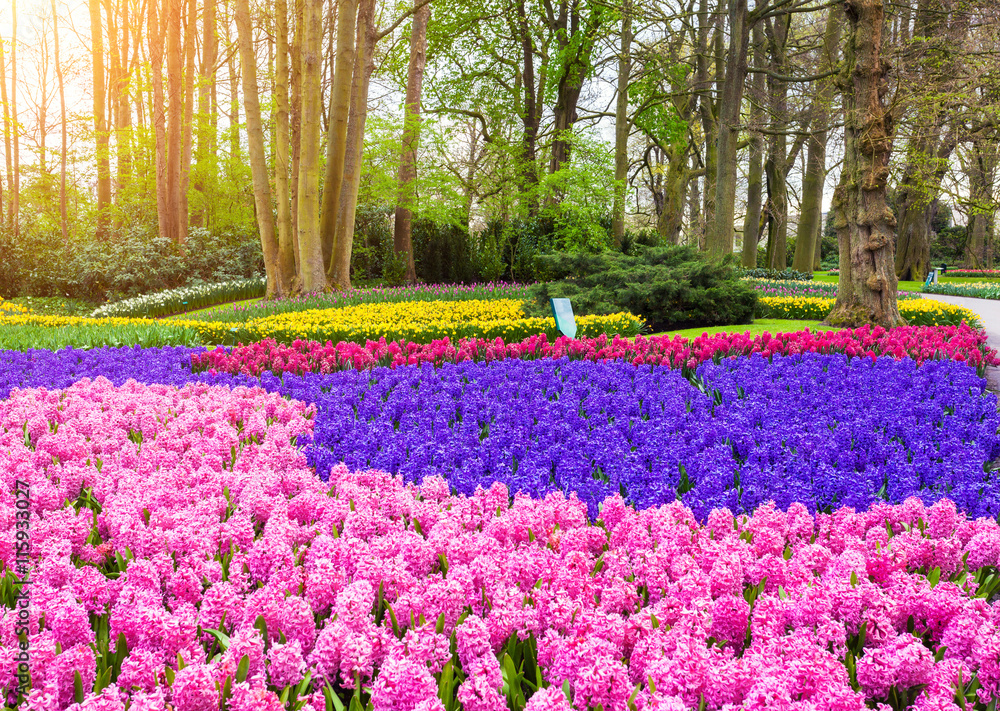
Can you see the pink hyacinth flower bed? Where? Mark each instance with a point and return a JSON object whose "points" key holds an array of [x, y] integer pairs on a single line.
{"points": [[183, 556], [917, 342]]}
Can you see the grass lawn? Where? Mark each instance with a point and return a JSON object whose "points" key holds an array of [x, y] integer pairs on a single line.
{"points": [[761, 325], [904, 285]]}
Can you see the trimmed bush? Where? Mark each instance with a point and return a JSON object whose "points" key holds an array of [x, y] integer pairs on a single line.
{"points": [[670, 287]]}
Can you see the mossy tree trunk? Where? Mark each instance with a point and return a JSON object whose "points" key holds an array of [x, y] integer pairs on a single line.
{"points": [[810, 227], [336, 147], [277, 282], [406, 200], [312, 274], [100, 122], [981, 170], [719, 240], [865, 225], [339, 273], [755, 166]]}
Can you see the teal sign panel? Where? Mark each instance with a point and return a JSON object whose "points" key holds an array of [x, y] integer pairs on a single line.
{"points": [[562, 311]]}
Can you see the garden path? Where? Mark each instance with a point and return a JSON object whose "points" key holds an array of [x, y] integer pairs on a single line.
{"points": [[989, 313]]}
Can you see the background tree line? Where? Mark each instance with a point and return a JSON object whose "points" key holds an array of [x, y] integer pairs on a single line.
{"points": [[335, 133]]}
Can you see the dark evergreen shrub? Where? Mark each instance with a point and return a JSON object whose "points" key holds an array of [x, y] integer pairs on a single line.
{"points": [[670, 287]]}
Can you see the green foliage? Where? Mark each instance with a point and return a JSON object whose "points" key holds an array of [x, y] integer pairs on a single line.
{"points": [[372, 243], [443, 253], [574, 200], [948, 245], [132, 261], [185, 298], [633, 241], [54, 305], [670, 287], [774, 274], [655, 116]]}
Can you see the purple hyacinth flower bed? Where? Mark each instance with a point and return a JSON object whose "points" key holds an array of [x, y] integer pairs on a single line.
{"points": [[818, 429]]}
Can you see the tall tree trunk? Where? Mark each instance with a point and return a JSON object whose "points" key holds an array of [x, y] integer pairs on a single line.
{"points": [[15, 203], [340, 274], [810, 224], [755, 167], [286, 244], [276, 284], [929, 151], [7, 130], [63, 221], [981, 172], [623, 125], [917, 200], [175, 117], [295, 129], [100, 123], [336, 147], [866, 292], [696, 222], [204, 160], [123, 113], [115, 87], [574, 44], [709, 121], [719, 240], [530, 114], [187, 129], [818, 253], [776, 164], [156, 28], [235, 150], [673, 188], [403, 232], [313, 273]]}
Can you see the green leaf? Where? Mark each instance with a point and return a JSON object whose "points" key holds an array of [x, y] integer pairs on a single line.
{"points": [[223, 638], [77, 687], [242, 669], [333, 702]]}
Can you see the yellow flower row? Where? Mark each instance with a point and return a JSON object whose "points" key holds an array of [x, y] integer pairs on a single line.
{"points": [[419, 321], [9, 307], [917, 312]]}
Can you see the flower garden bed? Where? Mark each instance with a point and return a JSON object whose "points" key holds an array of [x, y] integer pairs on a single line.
{"points": [[417, 321], [917, 312], [978, 290], [973, 273], [819, 289], [799, 521], [186, 556], [920, 343]]}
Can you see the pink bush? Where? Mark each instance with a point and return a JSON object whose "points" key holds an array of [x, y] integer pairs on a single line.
{"points": [[918, 342], [157, 512]]}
